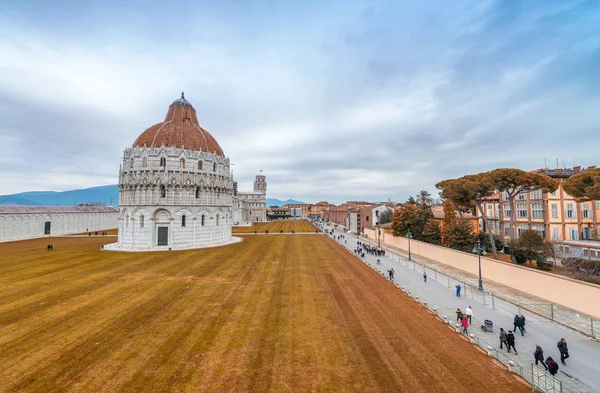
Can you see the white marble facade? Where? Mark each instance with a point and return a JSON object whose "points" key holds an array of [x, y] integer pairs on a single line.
{"points": [[32, 222]]}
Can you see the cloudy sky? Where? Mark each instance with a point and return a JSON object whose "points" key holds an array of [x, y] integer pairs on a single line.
{"points": [[333, 100]]}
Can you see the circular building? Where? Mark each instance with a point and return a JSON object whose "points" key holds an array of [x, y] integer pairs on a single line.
{"points": [[175, 187]]}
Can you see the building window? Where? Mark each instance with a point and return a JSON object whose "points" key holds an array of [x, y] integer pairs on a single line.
{"points": [[507, 211], [183, 220], [537, 210], [521, 210], [141, 221], [505, 196], [217, 220], [521, 196], [598, 205], [540, 230], [573, 235], [490, 211], [586, 212], [163, 162], [554, 210], [367, 218], [200, 165], [570, 212], [202, 220], [197, 192], [555, 234], [536, 194], [521, 228], [553, 193], [214, 166], [182, 163], [163, 192], [144, 162]]}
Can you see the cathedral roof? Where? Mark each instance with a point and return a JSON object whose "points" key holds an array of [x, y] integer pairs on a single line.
{"points": [[179, 129]]}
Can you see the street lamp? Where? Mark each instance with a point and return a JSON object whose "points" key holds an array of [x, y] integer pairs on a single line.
{"points": [[409, 236], [479, 250], [378, 235]]}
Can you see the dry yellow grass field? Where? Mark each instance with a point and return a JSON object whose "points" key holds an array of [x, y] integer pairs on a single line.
{"points": [[278, 225], [293, 313]]}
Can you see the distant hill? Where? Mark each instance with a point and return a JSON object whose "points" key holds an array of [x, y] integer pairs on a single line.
{"points": [[279, 203], [101, 194]]}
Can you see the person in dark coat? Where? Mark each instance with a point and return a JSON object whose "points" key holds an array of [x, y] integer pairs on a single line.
{"points": [[552, 365], [516, 322], [503, 338], [510, 342], [564, 351], [459, 314], [522, 323], [424, 277], [538, 355]]}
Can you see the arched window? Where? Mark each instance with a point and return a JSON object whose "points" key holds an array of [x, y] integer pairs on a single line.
{"points": [[200, 165], [163, 192], [132, 162], [202, 220], [163, 162], [217, 220], [197, 192], [182, 163], [141, 221], [214, 166], [144, 162], [183, 220]]}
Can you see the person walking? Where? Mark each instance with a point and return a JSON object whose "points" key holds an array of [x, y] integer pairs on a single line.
{"points": [[564, 351], [459, 314], [393, 272], [522, 323], [465, 324], [538, 355], [469, 313], [457, 290], [510, 342], [503, 338], [424, 277], [517, 323], [552, 366]]}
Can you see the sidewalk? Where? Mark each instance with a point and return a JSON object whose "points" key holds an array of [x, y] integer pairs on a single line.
{"points": [[579, 375]]}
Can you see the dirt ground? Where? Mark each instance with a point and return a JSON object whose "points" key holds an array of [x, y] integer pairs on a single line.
{"points": [[270, 314], [278, 225]]}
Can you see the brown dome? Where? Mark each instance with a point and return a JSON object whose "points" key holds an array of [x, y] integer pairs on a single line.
{"points": [[180, 129]]}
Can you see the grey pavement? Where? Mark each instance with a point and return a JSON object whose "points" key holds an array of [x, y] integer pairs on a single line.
{"points": [[582, 372]]}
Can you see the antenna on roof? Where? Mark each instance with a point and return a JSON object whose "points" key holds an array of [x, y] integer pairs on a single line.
{"points": [[557, 163], [545, 166]]}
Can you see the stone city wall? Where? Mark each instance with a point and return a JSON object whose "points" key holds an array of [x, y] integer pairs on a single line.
{"points": [[565, 291]]}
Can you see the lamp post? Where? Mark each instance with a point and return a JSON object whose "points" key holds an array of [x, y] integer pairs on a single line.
{"points": [[378, 235], [479, 250], [409, 236]]}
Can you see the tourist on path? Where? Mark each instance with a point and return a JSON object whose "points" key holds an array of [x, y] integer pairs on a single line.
{"points": [[564, 351], [522, 323], [503, 338], [538, 355], [517, 324], [465, 324], [469, 313], [552, 365], [459, 314], [424, 277], [510, 342], [457, 290]]}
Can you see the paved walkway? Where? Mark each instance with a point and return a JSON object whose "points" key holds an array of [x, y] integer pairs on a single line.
{"points": [[579, 375]]}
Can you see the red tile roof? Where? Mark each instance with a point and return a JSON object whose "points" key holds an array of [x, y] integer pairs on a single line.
{"points": [[180, 129]]}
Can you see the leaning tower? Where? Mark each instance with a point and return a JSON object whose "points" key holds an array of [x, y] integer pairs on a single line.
{"points": [[260, 184]]}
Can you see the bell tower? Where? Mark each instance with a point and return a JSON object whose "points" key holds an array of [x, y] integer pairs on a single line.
{"points": [[260, 184]]}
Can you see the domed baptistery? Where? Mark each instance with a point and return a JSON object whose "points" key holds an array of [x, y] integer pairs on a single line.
{"points": [[176, 187]]}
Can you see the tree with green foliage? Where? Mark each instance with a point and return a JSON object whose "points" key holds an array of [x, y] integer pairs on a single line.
{"points": [[410, 201], [513, 182], [424, 198], [584, 186], [485, 241], [461, 235], [530, 246], [386, 216], [413, 217], [431, 232]]}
